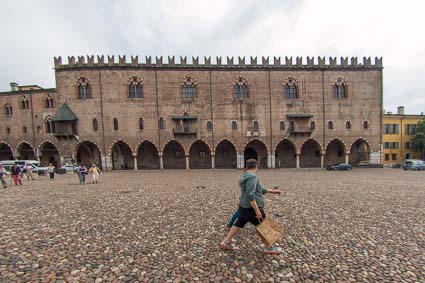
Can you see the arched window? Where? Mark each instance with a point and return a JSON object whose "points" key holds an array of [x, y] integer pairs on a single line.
{"points": [[24, 130], [135, 87], [365, 125], [234, 125], [7, 130], [141, 123], [161, 123], [24, 102], [49, 126], [84, 88], [49, 101], [282, 125], [348, 125], [340, 90], [240, 88], [255, 125], [95, 125], [209, 126], [116, 124], [312, 125], [291, 126], [8, 110], [291, 88], [189, 88], [330, 125]]}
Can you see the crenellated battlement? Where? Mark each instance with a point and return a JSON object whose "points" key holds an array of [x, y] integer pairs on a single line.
{"points": [[220, 63]]}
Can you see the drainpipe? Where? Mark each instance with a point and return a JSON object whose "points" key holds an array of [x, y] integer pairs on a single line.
{"points": [[213, 128], [33, 125], [103, 122], [157, 120]]}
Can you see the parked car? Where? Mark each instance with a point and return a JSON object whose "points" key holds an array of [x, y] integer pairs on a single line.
{"points": [[37, 168], [413, 164], [340, 166], [70, 168], [367, 164]]}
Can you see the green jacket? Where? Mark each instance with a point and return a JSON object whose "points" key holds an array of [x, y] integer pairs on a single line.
{"points": [[251, 189]]}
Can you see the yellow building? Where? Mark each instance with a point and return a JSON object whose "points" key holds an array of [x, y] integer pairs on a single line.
{"points": [[398, 132]]}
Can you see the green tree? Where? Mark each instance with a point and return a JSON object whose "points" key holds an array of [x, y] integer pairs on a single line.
{"points": [[419, 138]]}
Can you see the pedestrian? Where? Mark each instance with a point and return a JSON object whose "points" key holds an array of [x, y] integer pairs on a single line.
{"points": [[16, 172], [95, 172], [82, 172], [51, 171], [251, 206], [28, 171], [3, 176]]}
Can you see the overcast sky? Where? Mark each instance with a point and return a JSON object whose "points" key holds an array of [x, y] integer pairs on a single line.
{"points": [[33, 32]]}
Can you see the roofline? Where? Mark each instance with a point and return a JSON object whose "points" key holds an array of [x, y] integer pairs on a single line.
{"points": [[33, 91], [405, 115]]}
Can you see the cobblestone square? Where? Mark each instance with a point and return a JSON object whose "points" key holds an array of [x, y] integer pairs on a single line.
{"points": [[358, 226]]}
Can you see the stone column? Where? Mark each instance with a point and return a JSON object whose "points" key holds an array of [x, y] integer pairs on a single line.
{"points": [[271, 161], [161, 162], [346, 158], [298, 160], [322, 160], [135, 162], [240, 161], [187, 162], [212, 161]]}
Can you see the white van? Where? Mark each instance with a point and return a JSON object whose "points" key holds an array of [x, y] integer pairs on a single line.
{"points": [[7, 164]]}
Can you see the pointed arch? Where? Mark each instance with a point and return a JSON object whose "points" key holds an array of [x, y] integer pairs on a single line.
{"points": [[285, 154], [256, 149], [335, 152], [200, 155], [174, 155], [49, 153], [225, 155], [310, 154], [122, 156], [147, 156], [25, 151], [6, 151], [360, 150], [87, 153]]}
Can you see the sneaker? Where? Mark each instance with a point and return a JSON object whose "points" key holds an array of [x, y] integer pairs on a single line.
{"points": [[273, 251], [227, 246]]}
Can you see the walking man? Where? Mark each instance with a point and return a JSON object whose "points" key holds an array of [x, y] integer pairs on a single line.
{"points": [[251, 206], [16, 175], [28, 171], [95, 172]]}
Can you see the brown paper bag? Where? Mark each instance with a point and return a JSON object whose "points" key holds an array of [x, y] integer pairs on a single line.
{"points": [[269, 231]]}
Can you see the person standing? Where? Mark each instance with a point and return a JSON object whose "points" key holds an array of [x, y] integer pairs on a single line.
{"points": [[51, 171], [16, 172], [28, 171], [3, 177], [95, 172], [251, 206], [82, 172]]}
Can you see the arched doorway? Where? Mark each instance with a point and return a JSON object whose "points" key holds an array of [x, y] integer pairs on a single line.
{"points": [[199, 156], [225, 155], [25, 152], [147, 156], [257, 150], [173, 156], [285, 155], [310, 154], [49, 154], [359, 151], [122, 156], [335, 153], [6, 152], [88, 153]]}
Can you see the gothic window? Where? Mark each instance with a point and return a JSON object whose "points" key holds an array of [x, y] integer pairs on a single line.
{"points": [[7, 131], [141, 123], [178, 154], [209, 126], [234, 125], [291, 88], [161, 123], [116, 128], [135, 87], [202, 154], [291, 126], [189, 88], [95, 125], [84, 88], [24, 130], [49, 101], [255, 125], [312, 125], [240, 88], [365, 125], [348, 125], [282, 125], [24, 102], [8, 111], [330, 125], [340, 88], [49, 126]]}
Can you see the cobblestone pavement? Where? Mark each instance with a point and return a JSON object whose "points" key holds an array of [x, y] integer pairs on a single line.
{"points": [[358, 226]]}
